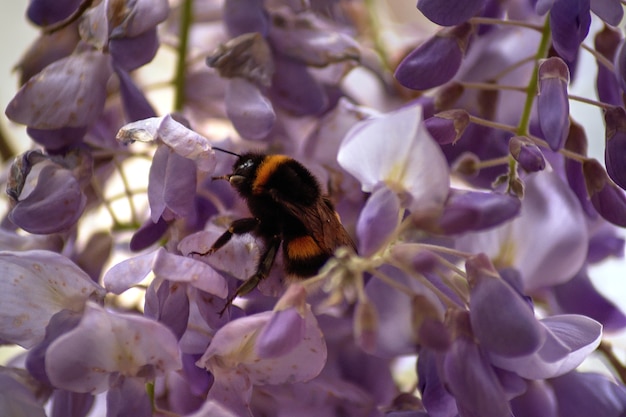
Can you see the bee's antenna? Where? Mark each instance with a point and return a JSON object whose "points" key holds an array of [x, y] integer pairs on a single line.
{"points": [[225, 151]]}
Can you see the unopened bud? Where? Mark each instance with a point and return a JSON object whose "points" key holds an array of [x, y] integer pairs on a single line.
{"points": [[527, 154], [447, 126]]}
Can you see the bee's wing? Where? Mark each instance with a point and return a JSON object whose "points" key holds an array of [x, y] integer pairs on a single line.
{"points": [[322, 222]]}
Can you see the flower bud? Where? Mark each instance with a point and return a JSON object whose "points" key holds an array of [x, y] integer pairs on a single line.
{"points": [[552, 103], [474, 210], [615, 149], [449, 13], [448, 126], [606, 43], [436, 61], [606, 197], [527, 154]]}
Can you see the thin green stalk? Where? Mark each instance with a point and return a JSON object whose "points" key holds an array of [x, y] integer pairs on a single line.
{"points": [[181, 65], [531, 89]]}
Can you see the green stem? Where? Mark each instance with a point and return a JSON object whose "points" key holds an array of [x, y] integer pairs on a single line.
{"points": [[181, 65], [531, 89]]}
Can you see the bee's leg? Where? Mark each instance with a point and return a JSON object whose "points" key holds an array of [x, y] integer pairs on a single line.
{"points": [[238, 227], [263, 269]]}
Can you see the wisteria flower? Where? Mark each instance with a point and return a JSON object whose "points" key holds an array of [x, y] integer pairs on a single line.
{"points": [[396, 151], [448, 139], [548, 247], [237, 356], [106, 348]]}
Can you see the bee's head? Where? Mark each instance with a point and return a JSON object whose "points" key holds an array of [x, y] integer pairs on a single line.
{"points": [[244, 171]]}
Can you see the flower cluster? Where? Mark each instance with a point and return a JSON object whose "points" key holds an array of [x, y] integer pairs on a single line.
{"points": [[455, 165]]}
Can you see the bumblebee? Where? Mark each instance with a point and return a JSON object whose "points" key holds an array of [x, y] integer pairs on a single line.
{"points": [[287, 208]]}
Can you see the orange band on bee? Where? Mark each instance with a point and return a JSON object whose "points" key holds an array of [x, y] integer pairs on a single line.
{"points": [[303, 247], [265, 170]]}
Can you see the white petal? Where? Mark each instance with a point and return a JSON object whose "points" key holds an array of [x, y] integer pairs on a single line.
{"points": [[396, 150], [35, 285]]}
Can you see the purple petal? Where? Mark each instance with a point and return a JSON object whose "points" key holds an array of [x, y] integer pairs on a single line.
{"points": [[132, 53], [437, 399], [230, 392], [57, 194], [607, 42], [377, 221], [474, 210], [227, 352], [527, 154], [238, 258], [306, 39], [167, 303], [74, 91], [436, 61], [125, 274], [83, 359], [53, 139], [136, 106], [141, 17], [148, 234], [184, 269], [584, 394], [615, 149], [37, 284], [184, 141], [543, 6], [283, 333], [606, 197], [472, 381], [538, 400], [571, 338], [248, 109], [569, 22], [61, 323], [449, 12], [47, 12], [501, 320], [579, 296], [398, 312], [171, 184], [295, 90], [610, 11], [606, 241], [396, 150], [620, 66], [214, 408], [71, 404], [448, 126], [128, 397], [45, 50], [550, 211], [245, 16], [18, 400], [553, 103], [577, 142]]}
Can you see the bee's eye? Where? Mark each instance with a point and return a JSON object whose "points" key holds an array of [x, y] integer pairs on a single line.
{"points": [[246, 164]]}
